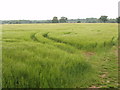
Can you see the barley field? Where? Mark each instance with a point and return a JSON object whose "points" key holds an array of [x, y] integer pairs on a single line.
{"points": [[68, 55]]}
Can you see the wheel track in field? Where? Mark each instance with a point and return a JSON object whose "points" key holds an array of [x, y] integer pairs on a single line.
{"points": [[70, 44], [45, 35], [59, 41], [34, 38]]}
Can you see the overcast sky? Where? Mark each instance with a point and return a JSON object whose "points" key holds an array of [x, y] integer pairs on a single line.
{"points": [[46, 9]]}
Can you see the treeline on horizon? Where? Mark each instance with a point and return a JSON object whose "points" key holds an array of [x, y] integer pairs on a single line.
{"points": [[102, 19]]}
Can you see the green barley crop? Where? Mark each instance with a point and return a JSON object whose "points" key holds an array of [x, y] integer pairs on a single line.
{"points": [[59, 55]]}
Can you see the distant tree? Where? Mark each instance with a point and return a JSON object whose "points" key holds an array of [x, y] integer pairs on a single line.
{"points": [[78, 21], [112, 21], [103, 18], [63, 20], [91, 20], [118, 20], [55, 20]]}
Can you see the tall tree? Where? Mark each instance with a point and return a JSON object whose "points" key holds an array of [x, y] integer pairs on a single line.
{"points": [[55, 20], [63, 20], [103, 18], [78, 21], [118, 19]]}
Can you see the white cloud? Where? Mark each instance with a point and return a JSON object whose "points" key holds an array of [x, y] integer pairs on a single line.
{"points": [[46, 9]]}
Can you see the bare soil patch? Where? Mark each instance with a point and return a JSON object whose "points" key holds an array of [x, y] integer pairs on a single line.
{"points": [[89, 54]]}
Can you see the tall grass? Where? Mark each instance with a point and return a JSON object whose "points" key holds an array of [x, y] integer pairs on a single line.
{"points": [[57, 55]]}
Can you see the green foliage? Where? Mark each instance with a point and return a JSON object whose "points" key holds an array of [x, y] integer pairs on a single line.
{"points": [[118, 19], [55, 20], [63, 20], [103, 18], [78, 21], [91, 20]]}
